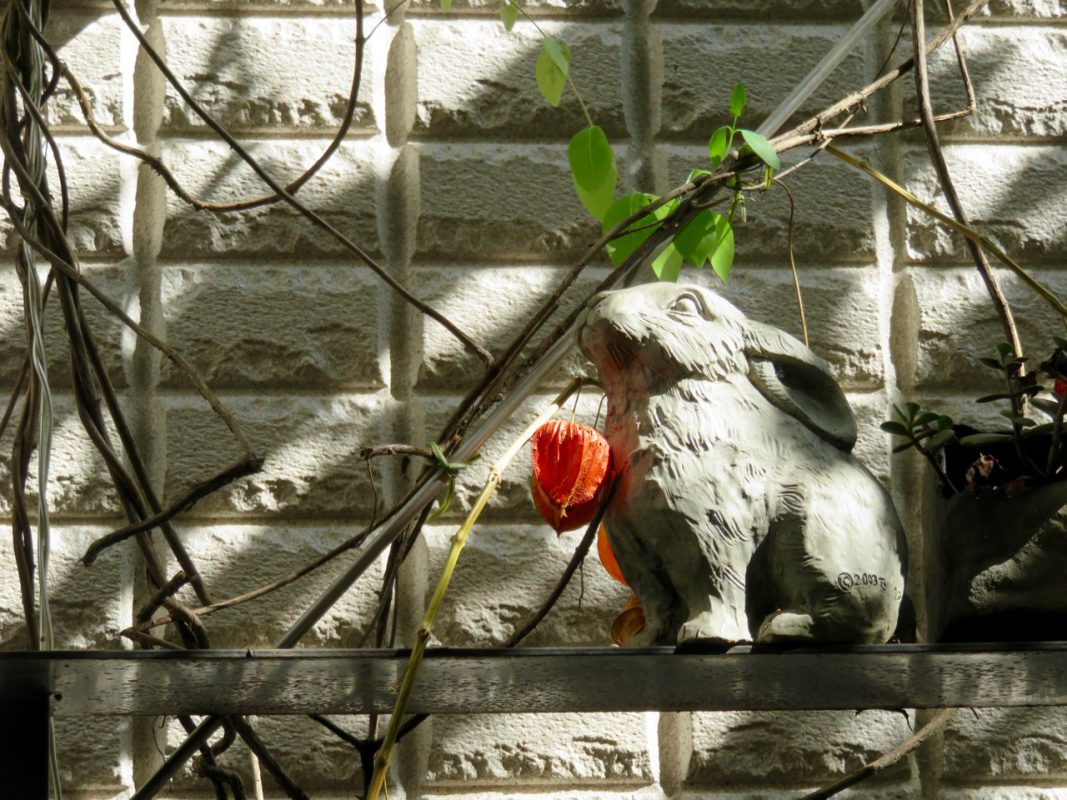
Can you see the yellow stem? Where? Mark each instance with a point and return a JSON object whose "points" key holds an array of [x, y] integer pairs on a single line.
{"points": [[459, 539], [963, 230]]}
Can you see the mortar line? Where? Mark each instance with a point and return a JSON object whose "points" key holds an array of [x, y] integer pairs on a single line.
{"points": [[142, 119]]}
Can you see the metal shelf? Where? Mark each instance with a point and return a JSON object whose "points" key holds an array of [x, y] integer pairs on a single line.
{"points": [[538, 680]]}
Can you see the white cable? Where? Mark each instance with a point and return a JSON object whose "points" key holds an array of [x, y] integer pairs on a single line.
{"points": [[34, 308], [814, 79]]}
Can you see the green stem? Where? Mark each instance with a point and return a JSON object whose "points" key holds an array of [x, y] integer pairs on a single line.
{"points": [[459, 539]]}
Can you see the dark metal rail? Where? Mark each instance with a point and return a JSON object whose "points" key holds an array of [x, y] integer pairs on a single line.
{"points": [[539, 680]]}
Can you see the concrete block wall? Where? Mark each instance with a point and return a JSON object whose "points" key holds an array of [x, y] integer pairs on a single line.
{"points": [[454, 175]]}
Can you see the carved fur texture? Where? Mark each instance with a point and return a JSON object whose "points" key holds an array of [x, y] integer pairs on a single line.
{"points": [[741, 514]]}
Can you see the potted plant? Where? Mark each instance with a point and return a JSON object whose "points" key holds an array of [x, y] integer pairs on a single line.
{"points": [[993, 523]]}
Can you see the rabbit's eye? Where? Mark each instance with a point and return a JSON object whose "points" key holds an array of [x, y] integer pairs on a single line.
{"points": [[686, 304]]}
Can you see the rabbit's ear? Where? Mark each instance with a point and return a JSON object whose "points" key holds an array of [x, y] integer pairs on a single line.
{"points": [[800, 383]]}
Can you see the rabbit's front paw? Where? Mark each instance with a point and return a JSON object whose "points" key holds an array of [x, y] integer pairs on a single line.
{"points": [[784, 626], [711, 627]]}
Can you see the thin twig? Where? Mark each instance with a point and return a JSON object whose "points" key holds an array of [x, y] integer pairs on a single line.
{"points": [[970, 233], [948, 188], [241, 468], [793, 263], [312, 217], [888, 759], [857, 99], [580, 552]]}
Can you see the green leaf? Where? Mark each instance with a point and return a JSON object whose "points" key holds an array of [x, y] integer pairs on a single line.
{"points": [[598, 202], [668, 264], [1050, 407], [1060, 342], [708, 236], [989, 398], [621, 248], [944, 423], [900, 448], [445, 501], [976, 439], [591, 159], [559, 53], [990, 362], [912, 409], [737, 100], [551, 78], [718, 144], [722, 257], [926, 418], [895, 428], [1038, 430], [696, 173], [509, 12], [593, 169], [940, 439], [1003, 349], [763, 149]]}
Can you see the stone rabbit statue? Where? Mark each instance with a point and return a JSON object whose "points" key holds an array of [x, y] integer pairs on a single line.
{"points": [[740, 514]]}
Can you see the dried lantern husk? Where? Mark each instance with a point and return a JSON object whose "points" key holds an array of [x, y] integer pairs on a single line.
{"points": [[629, 623]]}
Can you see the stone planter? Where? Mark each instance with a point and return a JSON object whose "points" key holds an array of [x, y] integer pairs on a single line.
{"points": [[996, 566]]}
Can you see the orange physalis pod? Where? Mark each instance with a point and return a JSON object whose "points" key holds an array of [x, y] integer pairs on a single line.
{"points": [[629, 623], [607, 555], [571, 466]]}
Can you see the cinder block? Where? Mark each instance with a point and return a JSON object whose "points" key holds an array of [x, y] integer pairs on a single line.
{"points": [[1009, 792], [537, 7], [1018, 86], [492, 305], [273, 327], [106, 329], [873, 446], [763, 749], [235, 559], [78, 482], [476, 79], [89, 605], [782, 11], [833, 223], [92, 755], [958, 325], [1011, 194], [492, 202], [91, 47], [841, 306], [324, 7], [314, 758], [539, 751], [506, 573], [265, 73], [1006, 744], [1039, 9], [310, 445], [96, 225], [702, 62], [342, 193]]}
